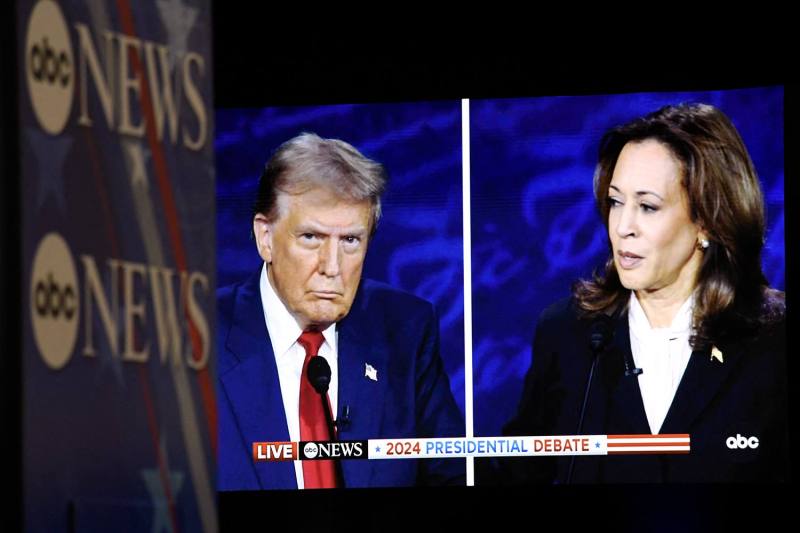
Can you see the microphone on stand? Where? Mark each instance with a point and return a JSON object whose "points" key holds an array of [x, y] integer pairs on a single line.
{"points": [[601, 331], [319, 374]]}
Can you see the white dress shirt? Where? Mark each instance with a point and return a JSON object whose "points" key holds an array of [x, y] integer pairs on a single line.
{"points": [[289, 357], [662, 354]]}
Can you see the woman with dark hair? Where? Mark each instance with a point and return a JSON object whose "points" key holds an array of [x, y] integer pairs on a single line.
{"points": [[680, 333]]}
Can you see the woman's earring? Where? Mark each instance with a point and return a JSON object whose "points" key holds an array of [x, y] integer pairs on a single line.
{"points": [[704, 244]]}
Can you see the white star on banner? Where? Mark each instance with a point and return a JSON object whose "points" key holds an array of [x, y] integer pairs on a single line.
{"points": [[179, 20], [135, 160], [152, 479], [50, 153]]}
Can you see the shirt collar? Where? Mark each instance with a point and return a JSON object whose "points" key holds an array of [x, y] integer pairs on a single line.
{"points": [[640, 325], [282, 327]]}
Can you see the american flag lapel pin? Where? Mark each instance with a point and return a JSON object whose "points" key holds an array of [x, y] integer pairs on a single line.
{"points": [[371, 372], [716, 354]]}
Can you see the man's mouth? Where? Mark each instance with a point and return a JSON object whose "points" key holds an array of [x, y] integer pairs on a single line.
{"points": [[628, 260], [326, 295]]}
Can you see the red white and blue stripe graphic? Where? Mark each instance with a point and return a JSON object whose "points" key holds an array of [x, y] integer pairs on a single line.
{"points": [[648, 444]]}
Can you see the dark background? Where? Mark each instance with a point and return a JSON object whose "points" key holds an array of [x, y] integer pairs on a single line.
{"points": [[10, 277]]}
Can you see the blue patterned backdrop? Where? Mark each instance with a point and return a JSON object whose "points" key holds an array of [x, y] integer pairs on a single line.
{"points": [[535, 229], [418, 246]]}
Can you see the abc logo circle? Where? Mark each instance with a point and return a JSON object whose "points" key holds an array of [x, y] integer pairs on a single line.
{"points": [[310, 450], [54, 301], [49, 66], [739, 442]]}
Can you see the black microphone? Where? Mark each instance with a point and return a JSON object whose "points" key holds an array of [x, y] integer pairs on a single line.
{"points": [[600, 334], [630, 368], [319, 374], [601, 331]]}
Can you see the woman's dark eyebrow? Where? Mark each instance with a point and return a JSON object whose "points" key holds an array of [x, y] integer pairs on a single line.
{"points": [[638, 193]]}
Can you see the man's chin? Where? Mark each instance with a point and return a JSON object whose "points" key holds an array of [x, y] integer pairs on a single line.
{"points": [[323, 314]]}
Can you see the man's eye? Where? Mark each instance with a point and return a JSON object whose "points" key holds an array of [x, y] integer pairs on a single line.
{"points": [[351, 239], [308, 239]]}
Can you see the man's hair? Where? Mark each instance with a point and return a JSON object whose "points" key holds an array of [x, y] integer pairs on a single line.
{"points": [[725, 201], [309, 161]]}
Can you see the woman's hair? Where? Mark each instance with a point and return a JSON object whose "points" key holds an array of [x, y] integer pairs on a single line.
{"points": [[725, 201]]}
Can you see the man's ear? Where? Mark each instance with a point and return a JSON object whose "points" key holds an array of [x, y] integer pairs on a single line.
{"points": [[262, 230]]}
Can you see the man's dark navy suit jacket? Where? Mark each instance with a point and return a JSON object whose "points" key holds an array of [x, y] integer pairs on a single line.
{"points": [[394, 332]]}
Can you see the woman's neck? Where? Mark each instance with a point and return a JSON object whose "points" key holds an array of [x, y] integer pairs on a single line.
{"points": [[661, 306]]}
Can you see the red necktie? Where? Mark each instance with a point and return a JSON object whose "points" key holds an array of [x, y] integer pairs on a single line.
{"points": [[316, 474]]}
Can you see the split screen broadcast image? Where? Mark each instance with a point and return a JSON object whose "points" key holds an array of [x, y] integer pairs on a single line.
{"points": [[581, 289], [242, 296]]}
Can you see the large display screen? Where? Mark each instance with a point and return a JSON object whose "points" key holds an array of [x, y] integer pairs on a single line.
{"points": [[490, 215]]}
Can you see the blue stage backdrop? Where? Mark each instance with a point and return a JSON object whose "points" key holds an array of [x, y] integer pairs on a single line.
{"points": [[535, 229], [418, 245]]}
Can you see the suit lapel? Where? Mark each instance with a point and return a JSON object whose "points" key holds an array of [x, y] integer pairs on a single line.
{"points": [[357, 347], [252, 386], [700, 383], [626, 409]]}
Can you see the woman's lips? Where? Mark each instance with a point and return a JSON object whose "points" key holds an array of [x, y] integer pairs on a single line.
{"points": [[628, 260]]}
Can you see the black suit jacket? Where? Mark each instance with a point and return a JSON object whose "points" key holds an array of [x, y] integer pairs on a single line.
{"points": [[744, 395]]}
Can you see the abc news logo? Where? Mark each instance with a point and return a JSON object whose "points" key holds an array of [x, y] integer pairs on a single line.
{"points": [[53, 72], [53, 300], [143, 309], [309, 451], [741, 443], [49, 66]]}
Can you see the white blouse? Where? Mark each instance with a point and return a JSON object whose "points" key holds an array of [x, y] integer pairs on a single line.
{"points": [[662, 354]]}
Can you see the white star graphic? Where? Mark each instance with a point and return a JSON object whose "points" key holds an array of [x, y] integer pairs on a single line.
{"points": [[179, 20], [49, 153], [135, 160], [152, 479]]}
